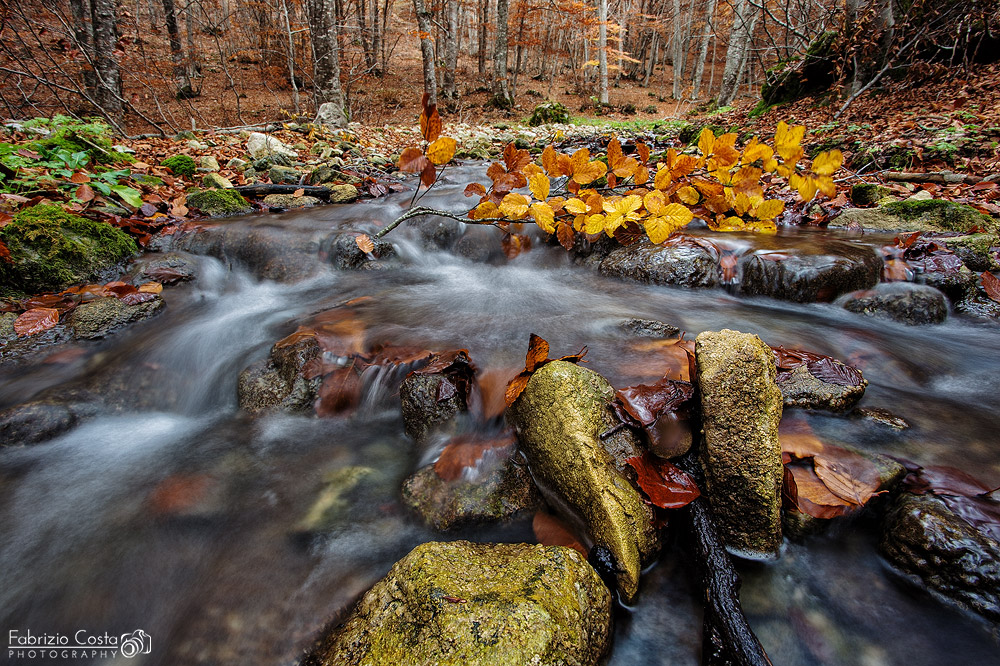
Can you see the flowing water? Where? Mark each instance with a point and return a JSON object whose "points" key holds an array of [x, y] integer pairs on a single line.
{"points": [[170, 510]]}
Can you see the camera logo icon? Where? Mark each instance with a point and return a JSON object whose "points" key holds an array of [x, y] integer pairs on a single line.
{"points": [[136, 643]]}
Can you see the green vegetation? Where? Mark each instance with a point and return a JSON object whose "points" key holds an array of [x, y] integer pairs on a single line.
{"points": [[51, 249], [946, 214], [219, 203], [866, 194], [548, 113], [181, 165], [72, 135]]}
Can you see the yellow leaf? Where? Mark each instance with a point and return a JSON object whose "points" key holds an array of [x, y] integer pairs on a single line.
{"points": [[589, 172], [683, 166], [654, 202], [787, 141], [769, 209], [514, 206], [731, 224], [531, 169], [626, 168], [539, 185], [641, 175], [485, 210], [658, 229], [688, 195], [742, 204], [706, 141], [544, 217], [575, 206], [150, 287], [805, 185], [746, 176], [677, 215], [594, 224], [786, 169], [756, 151], [662, 179], [579, 159], [827, 186], [623, 206], [550, 162], [441, 151], [770, 164], [827, 162], [580, 222]]}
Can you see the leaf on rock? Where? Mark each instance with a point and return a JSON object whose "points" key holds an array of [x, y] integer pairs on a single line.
{"points": [[663, 483], [992, 286], [645, 403], [550, 531], [468, 452], [811, 496], [340, 392], [301, 333], [848, 475], [35, 321], [824, 368], [968, 497], [537, 356], [365, 243], [136, 297]]}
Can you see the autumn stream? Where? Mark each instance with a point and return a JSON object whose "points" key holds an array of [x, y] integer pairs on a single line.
{"points": [[170, 509]]}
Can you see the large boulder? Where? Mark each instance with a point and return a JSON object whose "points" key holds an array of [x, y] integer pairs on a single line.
{"points": [[902, 301], [277, 381], [51, 249], [926, 215], [104, 316], [682, 264], [807, 273], [559, 419], [219, 203], [929, 542], [261, 145], [467, 604], [741, 407], [331, 115]]}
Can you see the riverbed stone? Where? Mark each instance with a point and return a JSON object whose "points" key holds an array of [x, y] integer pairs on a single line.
{"points": [[277, 381], [741, 407], [333, 503], [500, 493], [423, 412], [34, 422], [932, 544], [285, 201], [474, 604], [929, 215], [281, 175], [7, 331], [217, 181], [340, 194], [801, 388], [904, 302], [647, 328], [208, 162], [680, 264], [104, 316], [345, 254], [261, 145], [808, 274], [559, 419]]}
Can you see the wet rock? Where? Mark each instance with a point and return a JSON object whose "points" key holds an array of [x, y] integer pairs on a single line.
{"points": [[332, 505], [340, 194], [866, 194], [499, 493], [322, 175], [236, 164], [423, 412], [904, 302], [809, 274], [979, 305], [480, 245], [741, 407], [440, 232], [281, 175], [928, 542], [34, 422], [261, 145], [104, 316], [277, 381], [471, 604], [929, 215], [7, 332], [956, 284], [800, 388], [980, 252], [681, 264], [285, 201], [647, 328], [345, 254], [267, 252], [216, 181], [879, 415], [219, 203], [559, 418]]}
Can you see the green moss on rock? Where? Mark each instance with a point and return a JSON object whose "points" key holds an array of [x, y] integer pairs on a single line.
{"points": [[949, 216], [219, 203], [980, 252], [547, 113], [866, 194], [52, 249], [181, 165]]}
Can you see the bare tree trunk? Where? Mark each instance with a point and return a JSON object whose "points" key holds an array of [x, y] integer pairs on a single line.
{"points": [[484, 19], [365, 33], [326, 63], [426, 48], [602, 49], [376, 37], [518, 62], [744, 21], [677, 51], [706, 36], [501, 90], [651, 65], [108, 73], [182, 75], [451, 50], [289, 53]]}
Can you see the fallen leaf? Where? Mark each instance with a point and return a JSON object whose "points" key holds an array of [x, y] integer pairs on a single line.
{"points": [[36, 320], [166, 275], [151, 288], [663, 483], [84, 193], [339, 392], [299, 192], [647, 402], [811, 496], [992, 286], [550, 531], [365, 243], [848, 475], [467, 451]]}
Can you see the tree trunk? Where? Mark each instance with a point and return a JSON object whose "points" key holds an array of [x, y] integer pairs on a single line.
{"points": [[744, 21], [109, 75], [484, 19], [677, 51], [426, 48], [706, 37], [182, 75], [289, 54], [882, 26], [326, 61], [451, 50], [83, 32], [501, 90], [602, 49]]}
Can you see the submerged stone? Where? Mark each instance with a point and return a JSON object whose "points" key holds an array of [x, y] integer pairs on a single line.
{"points": [[741, 407], [559, 419], [904, 302], [277, 381], [980, 252], [808, 275], [104, 316], [682, 264], [467, 604], [800, 388], [424, 412]]}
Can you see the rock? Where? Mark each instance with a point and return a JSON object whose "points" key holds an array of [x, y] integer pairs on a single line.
{"points": [[681, 264], [219, 203], [289, 201], [466, 604], [930, 215], [217, 181], [929, 542], [440, 232], [880, 415], [922, 195], [261, 145], [208, 162], [980, 252], [263, 164], [322, 175], [51, 249], [741, 407], [345, 254], [904, 302], [423, 413], [979, 305], [798, 77], [236, 164], [104, 316], [331, 115], [647, 328], [194, 144], [500, 493], [956, 284], [7, 331], [34, 422], [558, 419], [866, 194], [547, 113], [281, 175], [333, 502], [277, 381], [343, 194], [800, 388], [807, 274]]}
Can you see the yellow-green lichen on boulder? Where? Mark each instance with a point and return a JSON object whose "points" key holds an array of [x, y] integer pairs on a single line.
{"points": [[474, 604], [933, 215], [559, 418], [51, 249], [741, 407]]}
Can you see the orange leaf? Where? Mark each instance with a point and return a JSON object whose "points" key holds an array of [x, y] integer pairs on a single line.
{"points": [[467, 451], [36, 320], [550, 531], [339, 392], [79, 178], [412, 160], [365, 243], [643, 151], [615, 156], [85, 193], [442, 150], [811, 495], [566, 235], [299, 192], [992, 286], [848, 475], [538, 353], [473, 189], [430, 121], [150, 288]]}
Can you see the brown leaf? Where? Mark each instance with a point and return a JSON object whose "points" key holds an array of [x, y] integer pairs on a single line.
{"points": [[491, 385], [365, 243], [299, 192], [445, 362], [35, 321], [166, 275], [565, 235], [473, 189], [849, 476], [550, 531], [516, 387], [151, 288], [812, 496], [663, 483], [340, 392], [176, 494], [647, 402], [538, 353], [467, 451], [84, 193], [136, 297], [79, 178], [992, 286], [301, 333], [825, 368]]}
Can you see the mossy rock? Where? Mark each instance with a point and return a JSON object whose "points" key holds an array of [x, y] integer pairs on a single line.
{"points": [[980, 252], [219, 203], [52, 249], [927, 215], [797, 77], [866, 194], [181, 165], [76, 136]]}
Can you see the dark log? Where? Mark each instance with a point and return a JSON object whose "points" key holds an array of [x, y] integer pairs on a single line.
{"points": [[263, 189], [940, 177]]}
